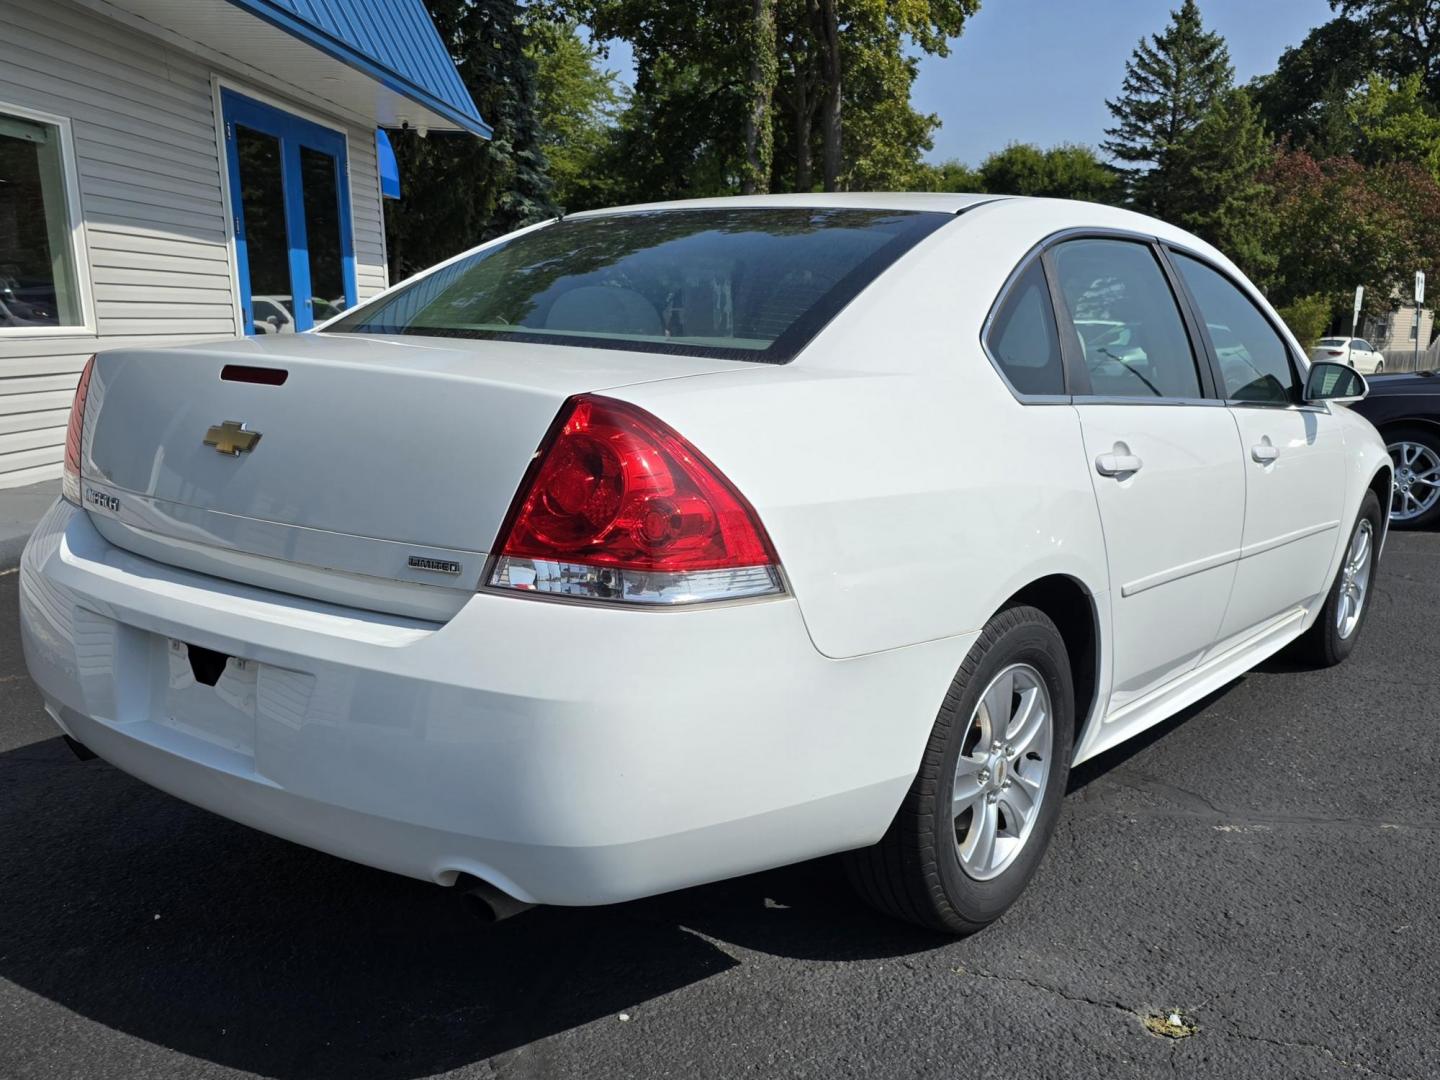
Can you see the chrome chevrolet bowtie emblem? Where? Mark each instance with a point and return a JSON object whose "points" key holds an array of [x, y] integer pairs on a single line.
{"points": [[232, 438]]}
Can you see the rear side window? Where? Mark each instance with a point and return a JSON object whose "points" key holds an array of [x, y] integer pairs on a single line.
{"points": [[1126, 321], [737, 283], [1023, 340], [1254, 360]]}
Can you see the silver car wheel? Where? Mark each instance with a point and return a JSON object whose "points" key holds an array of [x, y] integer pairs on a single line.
{"points": [[1355, 579], [1001, 772], [1416, 488]]}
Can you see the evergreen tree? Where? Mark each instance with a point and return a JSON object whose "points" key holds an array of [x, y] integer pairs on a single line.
{"points": [[1171, 81], [1216, 183], [460, 190]]}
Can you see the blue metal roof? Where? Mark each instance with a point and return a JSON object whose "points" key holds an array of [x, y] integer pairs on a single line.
{"points": [[393, 41]]}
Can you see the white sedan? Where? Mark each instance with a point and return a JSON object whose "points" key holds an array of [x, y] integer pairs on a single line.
{"points": [[654, 546], [1356, 352]]}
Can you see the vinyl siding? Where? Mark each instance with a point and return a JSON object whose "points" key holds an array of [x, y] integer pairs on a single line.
{"points": [[149, 169]]}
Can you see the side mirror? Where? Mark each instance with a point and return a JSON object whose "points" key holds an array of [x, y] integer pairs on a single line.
{"points": [[1334, 382]]}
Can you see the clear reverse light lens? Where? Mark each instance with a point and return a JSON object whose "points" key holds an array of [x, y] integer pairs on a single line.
{"points": [[634, 586]]}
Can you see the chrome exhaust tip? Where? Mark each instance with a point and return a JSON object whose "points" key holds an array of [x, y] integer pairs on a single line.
{"points": [[490, 903]]}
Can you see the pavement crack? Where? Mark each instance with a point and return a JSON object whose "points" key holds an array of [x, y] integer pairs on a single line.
{"points": [[1035, 984], [1320, 1048]]}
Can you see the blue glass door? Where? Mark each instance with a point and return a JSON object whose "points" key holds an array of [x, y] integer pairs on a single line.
{"points": [[290, 196]]}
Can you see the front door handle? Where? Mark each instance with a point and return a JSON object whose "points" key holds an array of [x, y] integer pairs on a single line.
{"points": [[1264, 453], [1118, 464]]}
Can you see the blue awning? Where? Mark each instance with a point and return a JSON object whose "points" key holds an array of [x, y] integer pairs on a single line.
{"points": [[392, 41], [389, 167]]}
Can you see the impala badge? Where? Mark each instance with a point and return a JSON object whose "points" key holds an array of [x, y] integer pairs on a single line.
{"points": [[232, 438]]}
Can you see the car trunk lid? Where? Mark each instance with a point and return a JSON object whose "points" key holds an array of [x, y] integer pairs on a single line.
{"points": [[380, 458]]}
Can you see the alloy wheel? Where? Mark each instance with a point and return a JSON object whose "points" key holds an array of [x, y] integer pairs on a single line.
{"points": [[1001, 772], [1416, 488], [1355, 579]]}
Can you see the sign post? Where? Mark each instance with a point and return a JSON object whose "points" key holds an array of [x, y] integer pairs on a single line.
{"points": [[1419, 307], [1354, 321]]}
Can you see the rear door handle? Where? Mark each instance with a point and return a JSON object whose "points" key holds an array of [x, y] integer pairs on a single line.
{"points": [[1118, 464], [1264, 453]]}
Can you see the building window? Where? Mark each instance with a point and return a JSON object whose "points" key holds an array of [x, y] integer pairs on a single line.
{"points": [[39, 284]]}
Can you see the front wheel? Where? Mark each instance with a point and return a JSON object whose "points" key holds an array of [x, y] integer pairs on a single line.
{"points": [[1415, 495], [1335, 632], [981, 810]]}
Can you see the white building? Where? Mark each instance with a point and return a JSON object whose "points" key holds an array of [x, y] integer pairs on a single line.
{"points": [[179, 170]]}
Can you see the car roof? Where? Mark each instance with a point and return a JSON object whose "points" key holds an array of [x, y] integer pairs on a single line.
{"points": [[943, 202]]}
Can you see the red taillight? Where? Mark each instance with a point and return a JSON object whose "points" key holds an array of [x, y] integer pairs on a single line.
{"points": [[70, 482], [1334, 352], [618, 506]]}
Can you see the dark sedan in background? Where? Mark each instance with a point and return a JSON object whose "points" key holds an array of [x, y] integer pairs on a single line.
{"points": [[1406, 409]]}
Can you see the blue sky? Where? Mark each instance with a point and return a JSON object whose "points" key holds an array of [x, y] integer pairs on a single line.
{"points": [[1039, 71]]}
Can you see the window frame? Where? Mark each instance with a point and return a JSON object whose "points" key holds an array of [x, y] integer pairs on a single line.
{"points": [[1079, 377], [1299, 367], [992, 317], [75, 222]]}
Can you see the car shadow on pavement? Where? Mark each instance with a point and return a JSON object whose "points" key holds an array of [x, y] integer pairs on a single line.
{"points": [[162, 921]]}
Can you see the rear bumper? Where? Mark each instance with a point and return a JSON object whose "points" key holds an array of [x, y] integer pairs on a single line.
{"points": [[567, 754]]}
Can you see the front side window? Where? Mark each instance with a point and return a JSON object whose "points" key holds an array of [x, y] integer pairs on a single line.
{"points": [[1254, 360], [38, 285], [738, 283], [1129, 329], [1364, 346], [1023, 339]]}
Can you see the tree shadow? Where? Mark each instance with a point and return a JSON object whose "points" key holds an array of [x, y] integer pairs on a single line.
{"points": [[188, 931]]}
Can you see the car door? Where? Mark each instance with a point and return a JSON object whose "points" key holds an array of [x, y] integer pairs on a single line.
{"points": [[1163, 454], [1294, 456], [1362, 356]]}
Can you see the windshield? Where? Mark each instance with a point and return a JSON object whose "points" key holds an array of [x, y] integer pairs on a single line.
{"points": [[739, 283]]}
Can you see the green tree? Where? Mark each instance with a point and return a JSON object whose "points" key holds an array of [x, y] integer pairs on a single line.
{"points": [[1216, 185], [1305, 99], [461, 190], [1067, 171], [948, 176], [579, 106], [1171, 82], [1405, 36], [1395, 123]]}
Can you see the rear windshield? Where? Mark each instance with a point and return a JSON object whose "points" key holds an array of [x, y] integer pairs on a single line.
{"points": [[1332, 341], [735, 283]]}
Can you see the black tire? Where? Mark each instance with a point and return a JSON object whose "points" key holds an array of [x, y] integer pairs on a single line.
{"points": [[1428, 437], [1323, 645], [915, 873]]}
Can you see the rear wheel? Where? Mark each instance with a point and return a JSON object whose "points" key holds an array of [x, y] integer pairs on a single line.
{"points": [[1335, 632], [1415, 495], [981, 810]]}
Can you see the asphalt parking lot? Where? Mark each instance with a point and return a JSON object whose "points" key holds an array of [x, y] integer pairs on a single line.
{"points": [[1266, 865]]}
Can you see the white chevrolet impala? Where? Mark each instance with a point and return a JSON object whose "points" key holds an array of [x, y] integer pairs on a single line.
{"points": [[653, 546]]}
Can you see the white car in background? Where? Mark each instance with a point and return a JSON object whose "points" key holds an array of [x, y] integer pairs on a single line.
{"points": [[1352, 351], [659, 545]]}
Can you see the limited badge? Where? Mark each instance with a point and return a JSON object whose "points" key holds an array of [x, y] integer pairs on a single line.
{"points": [[438, 566]]}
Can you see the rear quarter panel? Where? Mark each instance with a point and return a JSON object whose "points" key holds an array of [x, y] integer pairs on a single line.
{"points": [[908, 493]]}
